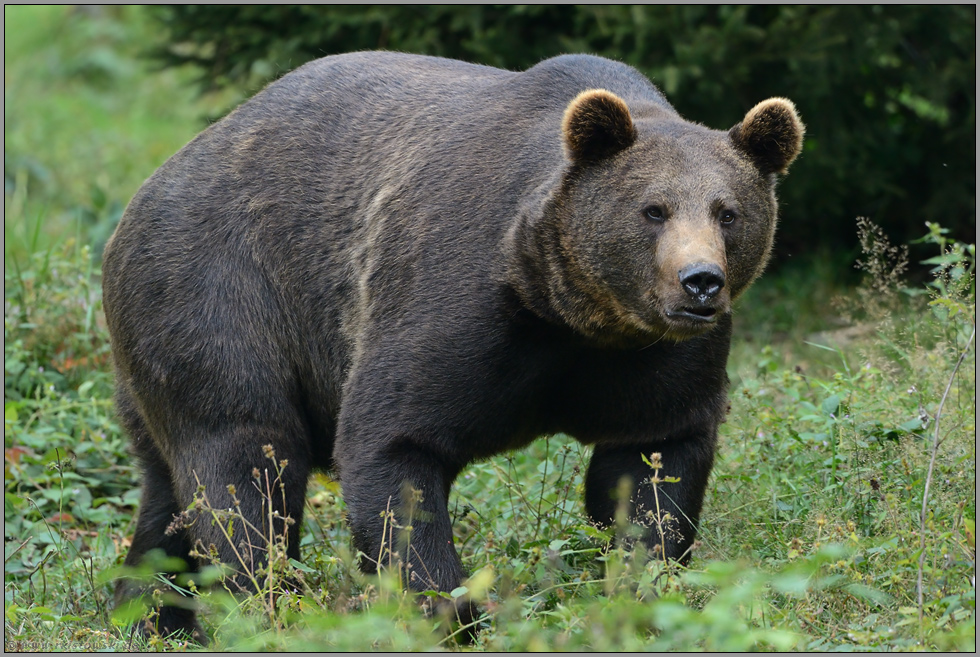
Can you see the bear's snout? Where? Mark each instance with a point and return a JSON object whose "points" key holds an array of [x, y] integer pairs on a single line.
{"points": [[702, 281], [703, 300]]}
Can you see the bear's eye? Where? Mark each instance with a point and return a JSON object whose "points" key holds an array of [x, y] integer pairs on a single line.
{"points": [[654, 213], [727, 216]]}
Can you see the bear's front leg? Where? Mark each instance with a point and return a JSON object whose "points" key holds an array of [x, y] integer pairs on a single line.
{"points": [[397, 498], [667, 511]]}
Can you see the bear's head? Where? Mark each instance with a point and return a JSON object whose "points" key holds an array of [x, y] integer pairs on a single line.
{"points": [[655, 225]]}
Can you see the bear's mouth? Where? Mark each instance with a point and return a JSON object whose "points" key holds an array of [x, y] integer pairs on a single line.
{"points": [[700, 315]]}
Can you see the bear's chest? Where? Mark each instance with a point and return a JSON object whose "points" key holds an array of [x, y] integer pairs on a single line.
{"points": [[626, 399], [488, 401]]}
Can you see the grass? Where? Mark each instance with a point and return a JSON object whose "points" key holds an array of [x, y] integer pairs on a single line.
{"points": [[840, 514]]}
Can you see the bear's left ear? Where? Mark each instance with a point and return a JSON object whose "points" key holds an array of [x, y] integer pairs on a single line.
{"points": [[597, 124], [771, 134]]}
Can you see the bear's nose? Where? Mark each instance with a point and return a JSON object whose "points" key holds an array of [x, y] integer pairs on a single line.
{"points": [[702, 281]]}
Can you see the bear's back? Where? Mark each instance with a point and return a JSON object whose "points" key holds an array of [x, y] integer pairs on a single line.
{"points": [[313, 134]]}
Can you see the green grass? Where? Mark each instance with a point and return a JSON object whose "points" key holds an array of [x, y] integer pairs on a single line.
{"points": [[812, 537]]}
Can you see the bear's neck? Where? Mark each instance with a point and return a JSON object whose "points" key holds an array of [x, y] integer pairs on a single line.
{"points": [[533, 258]]}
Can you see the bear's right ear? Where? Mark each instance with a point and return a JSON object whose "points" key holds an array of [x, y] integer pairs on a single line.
{"points": [[771, 134], [597, 124]]}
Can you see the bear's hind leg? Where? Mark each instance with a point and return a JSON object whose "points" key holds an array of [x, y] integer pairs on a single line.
{"points": [[247, 486], [157, 511]]}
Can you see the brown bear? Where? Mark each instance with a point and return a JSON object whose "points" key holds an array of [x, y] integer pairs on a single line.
{"points": [[389, 266]]}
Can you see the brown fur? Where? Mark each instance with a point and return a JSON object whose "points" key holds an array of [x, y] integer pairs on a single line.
{"points": [[772, 134], [596, 124], [389, 266]]}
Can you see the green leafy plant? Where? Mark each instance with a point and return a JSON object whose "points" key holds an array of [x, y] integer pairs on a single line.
{"points": [[67, 483]]}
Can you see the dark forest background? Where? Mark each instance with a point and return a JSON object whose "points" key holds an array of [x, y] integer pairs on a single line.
{"points": [[888, 93]]}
